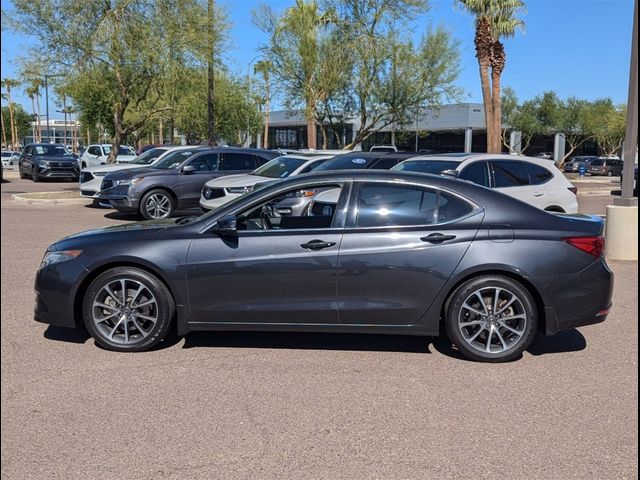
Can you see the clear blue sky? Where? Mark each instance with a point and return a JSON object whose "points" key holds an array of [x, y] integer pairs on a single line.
{"points": [[575, 47]]}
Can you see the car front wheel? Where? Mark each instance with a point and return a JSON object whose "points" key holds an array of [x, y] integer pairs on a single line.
{"points": [[126, 309], [156, 205], [491, 319], [21, 172], [35, 176]]}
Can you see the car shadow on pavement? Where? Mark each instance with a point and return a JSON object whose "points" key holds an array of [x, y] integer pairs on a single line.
{"points": [[309, 341], [69, 335], [561, 342]]}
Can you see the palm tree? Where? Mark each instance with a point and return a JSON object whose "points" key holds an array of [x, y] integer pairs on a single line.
{"points": [[301, 29], [33, 92], [8, 84], [265, 67], [495, 19]]}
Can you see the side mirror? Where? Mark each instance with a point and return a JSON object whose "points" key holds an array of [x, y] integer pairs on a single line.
{"points": [[188, 169], [450, 172], [227, 225]]}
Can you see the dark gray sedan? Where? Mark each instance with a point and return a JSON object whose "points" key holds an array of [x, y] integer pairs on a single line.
{"points": [[175, 182], [403, 253]]}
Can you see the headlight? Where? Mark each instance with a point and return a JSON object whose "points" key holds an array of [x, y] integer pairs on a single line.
{"points": [[133, 181], [56, 257], [239, 190]]}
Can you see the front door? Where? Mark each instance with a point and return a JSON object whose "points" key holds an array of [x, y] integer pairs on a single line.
{"points": [[190, 186], [274, 270], [400, 247]]}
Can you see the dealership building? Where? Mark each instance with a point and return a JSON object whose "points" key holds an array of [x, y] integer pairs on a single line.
{"points": [[450, 128]]}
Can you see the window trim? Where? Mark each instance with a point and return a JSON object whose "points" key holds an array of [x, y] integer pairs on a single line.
{"points": [[488, 168], [493, 178], [352, 215]]}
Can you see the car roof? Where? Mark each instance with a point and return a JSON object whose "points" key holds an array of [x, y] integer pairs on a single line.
{"points": [[308, 156], [460, 158]]}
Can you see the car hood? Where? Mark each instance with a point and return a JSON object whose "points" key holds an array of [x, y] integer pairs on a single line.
{"points": [[112, 168], [125, 174], [76, 240], [125, 158], [240, 180]]}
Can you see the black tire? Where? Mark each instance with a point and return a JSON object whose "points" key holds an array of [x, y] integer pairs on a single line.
{"points": [[454, 312], [149, 213], [83, 165], [164, 304], [35, 176], [21, 172]]}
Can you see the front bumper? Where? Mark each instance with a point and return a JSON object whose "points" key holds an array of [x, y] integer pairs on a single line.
{"points": [[122, 197], [58, 172], [576, 300], [56, 287]]}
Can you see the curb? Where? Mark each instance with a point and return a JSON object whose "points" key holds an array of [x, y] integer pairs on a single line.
{"points": [[24, 198]]}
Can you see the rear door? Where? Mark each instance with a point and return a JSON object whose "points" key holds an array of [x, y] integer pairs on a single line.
{"points": [[401, 245], [511, 177]]}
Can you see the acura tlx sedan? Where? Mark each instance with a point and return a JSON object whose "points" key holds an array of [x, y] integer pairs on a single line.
{"points": [[401, 253]]}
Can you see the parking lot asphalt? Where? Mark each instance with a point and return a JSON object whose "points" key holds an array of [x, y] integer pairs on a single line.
{"points": [[266, 406]]}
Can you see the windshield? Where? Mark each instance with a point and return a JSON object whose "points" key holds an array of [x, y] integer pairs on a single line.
{"points": [[346, 162], [174, 159], [279, 167], [426, 166], [149, 156], [51, 150], [124, 150]]}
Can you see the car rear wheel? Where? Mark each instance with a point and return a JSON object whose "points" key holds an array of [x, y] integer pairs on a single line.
{"points": [[491, 319], [156, 204], [128, 310]]}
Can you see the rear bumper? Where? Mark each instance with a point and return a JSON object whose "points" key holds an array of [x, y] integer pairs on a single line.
{"points": [[576, 300]]}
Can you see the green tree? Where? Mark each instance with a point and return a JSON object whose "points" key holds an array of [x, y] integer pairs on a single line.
{"points": [[8, 84], [126, 43], [495, 19], [22, 123], [607, 122], [574, 123], [392, 77]]}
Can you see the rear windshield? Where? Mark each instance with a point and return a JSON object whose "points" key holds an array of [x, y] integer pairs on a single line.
{"points": [[346, 162], [426, 166], [597, 163], [279, 167]]}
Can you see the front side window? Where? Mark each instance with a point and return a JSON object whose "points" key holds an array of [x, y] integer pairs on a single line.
{"points": [[477, 172], [384, 205], [510, 174], [202, 163], [309, 208], [237, 161], [94, 151]]}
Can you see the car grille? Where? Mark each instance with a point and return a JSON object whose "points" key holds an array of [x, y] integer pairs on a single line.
{"points": [[106, 183], [86, 177], [63, 167], [209, 193], [322, 209]]}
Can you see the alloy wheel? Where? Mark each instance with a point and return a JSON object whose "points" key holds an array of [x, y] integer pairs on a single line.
{"points": [[158, 206], [124, 311], [492, 320]]}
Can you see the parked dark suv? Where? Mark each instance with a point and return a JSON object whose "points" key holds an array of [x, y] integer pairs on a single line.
{"points": [[176, 181], [611, 167], [48, 160]]}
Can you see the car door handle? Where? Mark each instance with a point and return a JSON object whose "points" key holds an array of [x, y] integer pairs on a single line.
{"points": [[317, 245], [538, 194], [437, 238]]}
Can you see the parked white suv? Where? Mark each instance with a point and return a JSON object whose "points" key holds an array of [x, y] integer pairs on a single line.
{"points": [[10, 158], [535, 181], [96, 155], [221, 190]]}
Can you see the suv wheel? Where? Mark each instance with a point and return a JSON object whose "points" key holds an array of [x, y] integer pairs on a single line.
{"points": [[127, 309], [156, 205], [35, 176], [491, 319], [21, 172]]}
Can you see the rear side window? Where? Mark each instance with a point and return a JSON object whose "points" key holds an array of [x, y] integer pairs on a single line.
{"points": [[237, 161], [383, 205], [477, 172], [537, 174], [508, 173]]}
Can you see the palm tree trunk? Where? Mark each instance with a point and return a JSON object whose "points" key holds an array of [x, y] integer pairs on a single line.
{"points": [[11, 119], [38, 125], [488, 104], [161, 134], [312, 137], [4, 133], [265, 140], [495, 146]]}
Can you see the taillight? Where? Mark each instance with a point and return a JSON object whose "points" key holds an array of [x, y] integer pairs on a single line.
{"points": [[573, 190], [591, 245]]}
